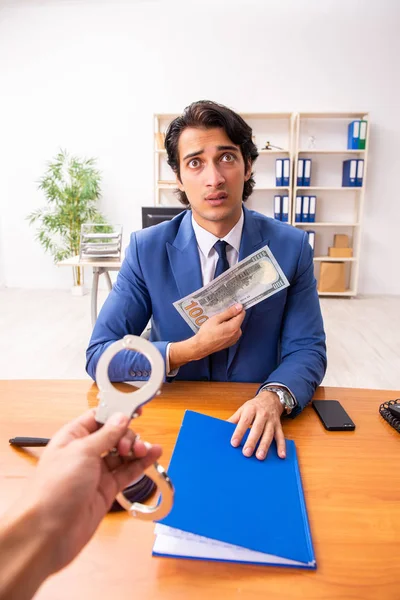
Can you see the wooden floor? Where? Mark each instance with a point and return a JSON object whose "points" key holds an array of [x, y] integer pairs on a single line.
{"points": [[44, 335]]}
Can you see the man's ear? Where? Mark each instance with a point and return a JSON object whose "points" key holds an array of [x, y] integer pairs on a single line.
{"points": [[247, 173], [179, 183]]}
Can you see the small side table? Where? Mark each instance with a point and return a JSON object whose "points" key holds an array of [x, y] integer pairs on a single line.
{"points": [[99, 266]]}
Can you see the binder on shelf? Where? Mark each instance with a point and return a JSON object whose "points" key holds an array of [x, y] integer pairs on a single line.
{"points": [[207, 520], [307, 172], [300, 172], [277, 207], [349, 173], [279, 172], [286, 171], [311, 239], [285, 209], [312, 208], [360, 172], [305, 213], [363, 135], [353, 135], [299, 209]]}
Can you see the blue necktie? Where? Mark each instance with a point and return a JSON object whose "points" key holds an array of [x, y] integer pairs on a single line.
{"points": [[219, 360], [222, 264]]}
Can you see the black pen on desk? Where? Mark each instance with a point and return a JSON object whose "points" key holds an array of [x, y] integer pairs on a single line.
{"points": [[29, 441]]}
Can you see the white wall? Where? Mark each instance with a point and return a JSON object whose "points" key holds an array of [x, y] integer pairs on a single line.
{"points": [[2, 281], [88, 76]]}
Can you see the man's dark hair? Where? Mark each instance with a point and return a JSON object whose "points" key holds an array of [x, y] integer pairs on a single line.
{"points": [[206, 114]]}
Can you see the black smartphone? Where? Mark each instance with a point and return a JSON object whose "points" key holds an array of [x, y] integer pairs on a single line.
{"points": [[333, 415]]}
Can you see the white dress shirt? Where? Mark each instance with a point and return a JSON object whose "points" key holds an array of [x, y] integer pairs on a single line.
{"points": [[207, 253], [209, 257]]}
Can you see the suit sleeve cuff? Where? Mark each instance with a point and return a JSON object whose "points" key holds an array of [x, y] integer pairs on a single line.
{"points": [[175, 371], [281, 385]]}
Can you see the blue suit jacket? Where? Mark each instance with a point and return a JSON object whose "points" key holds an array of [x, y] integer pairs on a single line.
{"points": [[282, 340]]}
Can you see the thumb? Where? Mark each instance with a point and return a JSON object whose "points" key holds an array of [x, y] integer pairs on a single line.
{"points": [[230, 312], [108, 436]]}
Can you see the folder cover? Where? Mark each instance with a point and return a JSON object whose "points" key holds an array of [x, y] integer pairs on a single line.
{"points": [[363, 135], [286, 171], [305, 215], [307, 172], [353, 135], [300, 172], [279, 172], [299, 209], [313, 206], [360, 172], [311, 239], [285, 209], [232, 508], [349, 173], [278, 207]]}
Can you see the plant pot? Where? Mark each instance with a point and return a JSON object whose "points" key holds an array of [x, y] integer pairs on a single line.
{"points": [[78, 290]]}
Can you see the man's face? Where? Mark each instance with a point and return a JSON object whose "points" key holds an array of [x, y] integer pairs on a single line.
{"points": [[212, 173]]}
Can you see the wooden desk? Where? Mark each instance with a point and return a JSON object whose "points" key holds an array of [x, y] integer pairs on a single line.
{"points": [[351, 482]]}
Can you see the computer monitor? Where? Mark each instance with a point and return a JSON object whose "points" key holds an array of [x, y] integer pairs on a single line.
{"points": [[152, 215]]}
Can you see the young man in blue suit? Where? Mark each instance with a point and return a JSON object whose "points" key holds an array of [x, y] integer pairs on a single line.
{"points": [[279, 343]]}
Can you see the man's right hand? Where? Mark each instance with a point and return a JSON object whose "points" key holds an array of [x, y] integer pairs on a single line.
{"points": [[218, 332]]}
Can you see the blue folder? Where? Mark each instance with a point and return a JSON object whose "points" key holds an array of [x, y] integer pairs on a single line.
{"points": [[349, 173], [279, 172], [360, 172], [311, 239], [299, 209], [307, 172], [300, 172], [312, 209], [278, 208], [305, 209], [285, 209], [286, 172], [353, 135], [232, 508]]}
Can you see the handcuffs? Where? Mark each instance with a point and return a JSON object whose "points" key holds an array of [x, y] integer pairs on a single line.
{"points": [[112, 400]]}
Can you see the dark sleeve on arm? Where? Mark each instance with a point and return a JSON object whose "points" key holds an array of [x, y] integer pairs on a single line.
{"points": [[127, 310], [303, 349]]}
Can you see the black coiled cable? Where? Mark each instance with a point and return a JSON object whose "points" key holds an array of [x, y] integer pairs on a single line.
{"points": [[388, 416]]}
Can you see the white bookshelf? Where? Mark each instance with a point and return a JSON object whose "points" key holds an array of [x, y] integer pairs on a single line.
{"points": [[276, 128], [164, 178], [339, 209]]}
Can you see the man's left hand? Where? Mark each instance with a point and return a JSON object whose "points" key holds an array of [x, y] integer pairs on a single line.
{"points": [[263, 414]]}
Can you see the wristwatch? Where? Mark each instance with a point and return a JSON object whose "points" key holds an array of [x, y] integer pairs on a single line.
{"points": [[285, 397]]}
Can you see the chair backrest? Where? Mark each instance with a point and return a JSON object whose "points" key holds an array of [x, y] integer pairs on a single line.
{"points": [[152, 215]]}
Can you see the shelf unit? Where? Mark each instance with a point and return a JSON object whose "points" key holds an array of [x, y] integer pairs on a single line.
{"points": [[277, 128], [335, 204]]}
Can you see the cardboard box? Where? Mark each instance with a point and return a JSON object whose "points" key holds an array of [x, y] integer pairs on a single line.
{"points": [[340, 252], [332, 277], [341, 240]]}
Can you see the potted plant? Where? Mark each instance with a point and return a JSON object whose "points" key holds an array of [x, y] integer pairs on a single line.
{"points": [[72, 189]]}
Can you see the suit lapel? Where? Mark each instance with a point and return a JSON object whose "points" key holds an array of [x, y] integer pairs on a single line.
{"points": [[252, 240], [184, 258]]}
